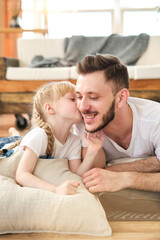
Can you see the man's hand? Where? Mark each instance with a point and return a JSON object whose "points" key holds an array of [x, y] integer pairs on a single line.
{"points": [[100, 180]]}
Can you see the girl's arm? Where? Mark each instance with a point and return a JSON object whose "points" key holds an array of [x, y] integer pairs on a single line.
{"points": [[93, 155], [24, 174], [25, 177], [99, 160]]}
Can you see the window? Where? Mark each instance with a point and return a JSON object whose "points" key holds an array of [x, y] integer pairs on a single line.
{"points": [[145, 20], [32, 16], [85, 17], [140, 16], [65, 18], [80, 23]]}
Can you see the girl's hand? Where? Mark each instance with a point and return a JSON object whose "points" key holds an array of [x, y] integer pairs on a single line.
{"points": [[94, 140], [68, 188]]}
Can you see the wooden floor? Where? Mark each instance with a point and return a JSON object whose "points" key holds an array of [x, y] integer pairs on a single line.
{"points": [[121, 231]]}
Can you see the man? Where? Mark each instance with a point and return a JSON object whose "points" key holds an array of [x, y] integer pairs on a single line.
{"points": [[131, 126]]}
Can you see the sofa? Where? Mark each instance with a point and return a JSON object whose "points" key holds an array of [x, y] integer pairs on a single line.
{"points": [[19, 81]]}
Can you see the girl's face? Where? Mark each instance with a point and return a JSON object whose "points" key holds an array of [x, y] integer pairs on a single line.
{"points": [[66, 107]]}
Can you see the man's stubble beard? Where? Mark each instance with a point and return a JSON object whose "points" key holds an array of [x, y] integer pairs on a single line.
{"points": [[107, 118]]}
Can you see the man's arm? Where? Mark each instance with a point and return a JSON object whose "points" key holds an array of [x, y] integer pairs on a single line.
{"points": [[147, 165], [100, 180]]}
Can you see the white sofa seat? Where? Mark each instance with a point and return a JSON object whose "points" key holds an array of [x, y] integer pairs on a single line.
{"points": [[26, 73], [147, 72], [65, 73]]}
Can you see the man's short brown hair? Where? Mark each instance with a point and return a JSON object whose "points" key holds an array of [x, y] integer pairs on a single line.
{"points": [[114, 70]]}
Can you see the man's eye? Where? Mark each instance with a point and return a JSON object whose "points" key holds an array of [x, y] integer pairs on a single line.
{"points": [[93, 98]]}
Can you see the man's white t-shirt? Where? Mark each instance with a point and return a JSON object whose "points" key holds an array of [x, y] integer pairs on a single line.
{"points": [[145, 140], [37, 140]]}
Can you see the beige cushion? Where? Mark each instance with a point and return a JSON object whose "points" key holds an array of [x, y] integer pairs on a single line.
{"points": [[47, 47], [152, 53], [26, 209]]}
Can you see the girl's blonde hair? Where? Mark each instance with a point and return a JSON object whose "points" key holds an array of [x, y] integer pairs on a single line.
{"points": [[48, 93]]}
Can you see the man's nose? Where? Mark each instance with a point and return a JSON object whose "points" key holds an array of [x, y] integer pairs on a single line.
{"points": [[83, 105]]}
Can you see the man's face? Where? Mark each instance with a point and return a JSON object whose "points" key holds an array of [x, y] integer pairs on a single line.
{"points": [[95, 100]]}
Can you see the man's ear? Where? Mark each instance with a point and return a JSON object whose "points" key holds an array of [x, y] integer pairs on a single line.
{"points": [[122, 97], [48, 107]]}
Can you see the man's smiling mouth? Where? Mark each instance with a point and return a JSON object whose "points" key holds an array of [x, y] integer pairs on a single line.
{"points": [[89, 117]]}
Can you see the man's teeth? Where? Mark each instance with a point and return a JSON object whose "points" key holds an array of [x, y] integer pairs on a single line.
{"points": [[91, 116]]}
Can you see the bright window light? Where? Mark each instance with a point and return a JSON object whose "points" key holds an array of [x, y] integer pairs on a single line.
{"points": [[141, 22], [27, 20], [65, 18], [87, 24], [27, 5], [140, 3], [60, 5]]}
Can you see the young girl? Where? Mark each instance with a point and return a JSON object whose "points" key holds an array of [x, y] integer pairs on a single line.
{"points": [[54, 113]]}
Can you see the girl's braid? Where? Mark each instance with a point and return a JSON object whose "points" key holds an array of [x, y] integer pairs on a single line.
{"points": [[39, 121]]}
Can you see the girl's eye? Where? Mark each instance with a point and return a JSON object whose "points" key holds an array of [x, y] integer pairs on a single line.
{"points": [[73, 99], [79, 97]]}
